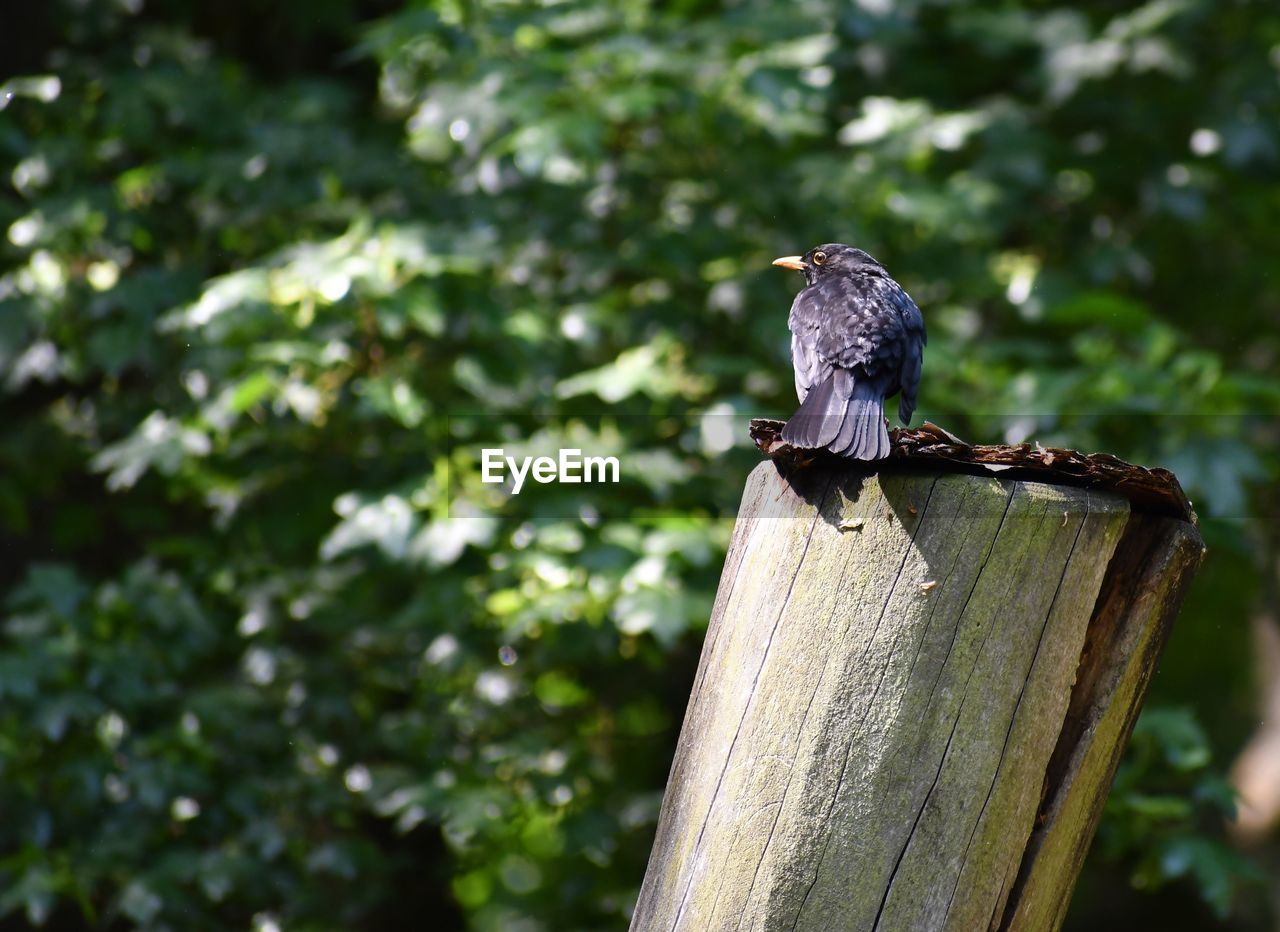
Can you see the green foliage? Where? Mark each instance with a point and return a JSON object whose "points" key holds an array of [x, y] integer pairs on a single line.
{"points": [[271, 649], [1163, 805]]}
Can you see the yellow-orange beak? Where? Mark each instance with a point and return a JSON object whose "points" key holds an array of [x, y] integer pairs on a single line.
{"points": [[790, 262]]}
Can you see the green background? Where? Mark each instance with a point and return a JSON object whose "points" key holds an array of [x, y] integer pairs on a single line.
{"points": [[273, 657]]}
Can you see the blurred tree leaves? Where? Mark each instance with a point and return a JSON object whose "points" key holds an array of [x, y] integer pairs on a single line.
{"points": [[269, 280], [1163, 807]]}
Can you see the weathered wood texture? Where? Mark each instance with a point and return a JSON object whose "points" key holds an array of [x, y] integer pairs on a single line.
{"points": [[911, 701]]}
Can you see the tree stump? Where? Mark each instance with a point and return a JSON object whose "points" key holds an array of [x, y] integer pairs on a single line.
{"points": [[913, 695]]}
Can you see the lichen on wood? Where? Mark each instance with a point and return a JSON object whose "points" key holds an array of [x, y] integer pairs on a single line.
{"points": [[886, 723]]}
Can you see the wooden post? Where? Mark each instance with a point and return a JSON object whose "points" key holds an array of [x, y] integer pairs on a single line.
{"points": [[913, 695]]}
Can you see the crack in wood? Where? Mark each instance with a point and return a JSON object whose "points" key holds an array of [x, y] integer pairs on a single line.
{"points": [[1142, 588], [969, 598], [942, 762], [1013, 720], [750, 698], [848, 752], [933, 610], [844, 569]]}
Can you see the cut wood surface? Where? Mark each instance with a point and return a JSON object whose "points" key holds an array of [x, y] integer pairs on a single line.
{"points": [[911, 701]]}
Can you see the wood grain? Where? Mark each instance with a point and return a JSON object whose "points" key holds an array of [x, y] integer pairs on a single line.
{"points": [[884, 694]]}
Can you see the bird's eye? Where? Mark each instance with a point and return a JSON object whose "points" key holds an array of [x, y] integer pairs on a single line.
{"points": [[819, 257]]}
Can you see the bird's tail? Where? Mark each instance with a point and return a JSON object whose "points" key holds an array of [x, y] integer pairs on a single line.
{"points": [[843, 415]]}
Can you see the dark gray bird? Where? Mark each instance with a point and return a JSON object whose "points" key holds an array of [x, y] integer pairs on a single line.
{"points": [[856, 339]]}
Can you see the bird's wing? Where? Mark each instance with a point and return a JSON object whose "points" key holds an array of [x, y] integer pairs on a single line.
{"points": [[861, 324], [912, 319], [912, 357], [810, 370]]}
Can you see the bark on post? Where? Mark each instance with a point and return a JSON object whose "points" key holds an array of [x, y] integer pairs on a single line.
{"points": [[912, 698]]}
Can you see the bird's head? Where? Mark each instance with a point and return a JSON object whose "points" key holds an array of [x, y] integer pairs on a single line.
{"points": [[831, 259]]}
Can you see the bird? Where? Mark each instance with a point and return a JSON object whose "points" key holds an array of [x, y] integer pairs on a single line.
{"points": [[857, 338]]}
